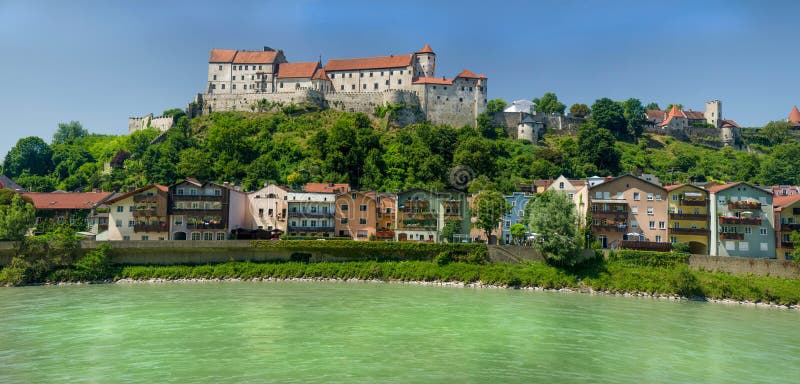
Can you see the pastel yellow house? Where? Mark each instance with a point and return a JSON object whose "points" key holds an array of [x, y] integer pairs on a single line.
{"points": [[787, 220], [688, 216]]}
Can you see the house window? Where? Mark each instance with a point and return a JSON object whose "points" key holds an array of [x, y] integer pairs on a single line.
{"points": [[634, 224], [675, 197], [119, 223], [362, 221], [343, 220], [652, 225], [763, 231], [662, 225], [220, 235], [131, 208], [208, 236], [120, 209], [145, 237], [195, 235], [764, 246], [658, 197], [673, 239], [634, 209], [561, 185], [744, 246], [636, 196], [362, 208], [131, 223], [730, 245], [658, 238], [650, 211], [747, 230], [126, 238], [649, 197]]}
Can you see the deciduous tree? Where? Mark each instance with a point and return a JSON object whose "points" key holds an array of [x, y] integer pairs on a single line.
{"points": [[496, 105], [553, 220], [580, 110], [549, 104], [489, 208]]}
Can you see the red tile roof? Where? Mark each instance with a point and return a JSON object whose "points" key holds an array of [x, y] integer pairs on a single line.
{"points": [[722, 187], [781, 202], [326, 187], [433, 80], [729, 123], [242, 57], [302, 70], [673, 186], [470, 75], [426, 49], [656, 115], [320, 74], [673, 113], [694, 115], [369, 63], [67, 200], [222, 55], [794, 116]]}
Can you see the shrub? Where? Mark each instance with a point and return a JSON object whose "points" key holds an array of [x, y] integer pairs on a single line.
{"points": [[380, 251], [649, 259], [95, 265]]}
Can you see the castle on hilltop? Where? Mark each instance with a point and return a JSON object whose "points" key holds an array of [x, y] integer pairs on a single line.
{"points": [[240, 80], [707, 127]]}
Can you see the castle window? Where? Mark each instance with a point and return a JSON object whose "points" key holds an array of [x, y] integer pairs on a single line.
{"points": [[245, 67], [462, 89], [350, 75], [399, 81], [234, 67], [259, 67], [381, 73], [240, 67], [387, 82], [234, 86], [220, 67], [252, 77], [470, 89], [213, 86], [445, 88], [438, 97], [353, 87], [333, 75], [280, 85], [215, 77], [364, 86], [461, 99], [434, 87], [376, 86], [391, 73], [361, 74], [370, 74], [223, 86], [401, 72], [342, 87]]}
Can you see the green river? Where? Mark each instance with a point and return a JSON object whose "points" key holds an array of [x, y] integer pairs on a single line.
{"points": [[372, 332]]}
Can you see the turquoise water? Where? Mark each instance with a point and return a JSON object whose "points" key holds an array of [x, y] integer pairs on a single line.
{"points": [[367, 332]]}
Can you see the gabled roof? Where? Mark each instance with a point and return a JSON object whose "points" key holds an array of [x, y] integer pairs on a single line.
{"points": [[781, 202], [794, 115], [192, 180], [655, 115], [119, 197], [222, 55], [433, 80], [326, 187], [369, 63], [719, 188], [7, 183], [728, 124], [467, 74], [426, 49], [67, 200], [673, 187], [623, 176], [674, 113], [320, 74], [694, 115], [297, 70]]}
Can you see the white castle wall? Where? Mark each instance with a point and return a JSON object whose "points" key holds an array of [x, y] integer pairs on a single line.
{"points": [[161, 123]]}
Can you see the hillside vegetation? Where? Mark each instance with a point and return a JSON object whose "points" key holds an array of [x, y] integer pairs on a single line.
{"points": [[294, 147]]}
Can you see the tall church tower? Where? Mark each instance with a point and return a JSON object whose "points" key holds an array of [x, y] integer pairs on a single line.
{"points": [[713, 112], [425, 65]]}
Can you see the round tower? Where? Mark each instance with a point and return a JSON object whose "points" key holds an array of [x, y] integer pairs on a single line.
{"points": [[713, 113], [526, 129], [425, 62]]}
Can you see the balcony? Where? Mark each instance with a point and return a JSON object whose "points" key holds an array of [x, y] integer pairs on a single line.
{"points": [[312, 215], [787, 244], [744, 205], [693, 203], [384, 215], [311, 229], [731, 236], [429, 224], [145, 213], [197, 198], [646, 246], [144, 199], [384, 234], [740, 220], [689, 231], [790, 227], [206, 226], [196, 211], [417, 204], [452, 215], [609, 214], [610, 227], [688, 216], [151, 227]]}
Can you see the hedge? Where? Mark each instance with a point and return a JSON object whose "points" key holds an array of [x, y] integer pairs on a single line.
{"points": [[383, 251], [650, 258]]}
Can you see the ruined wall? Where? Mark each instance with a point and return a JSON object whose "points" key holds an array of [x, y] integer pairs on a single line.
{"points": [[215, 102], [161, 123]]}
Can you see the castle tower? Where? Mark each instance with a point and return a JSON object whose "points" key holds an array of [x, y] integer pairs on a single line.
{"points": [[713, 113], [425, 62], [794, 117], [526, 129]]}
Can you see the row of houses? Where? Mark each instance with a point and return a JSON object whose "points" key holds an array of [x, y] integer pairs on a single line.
{"points": [[634, 212], [637, 212], [193, 210]]}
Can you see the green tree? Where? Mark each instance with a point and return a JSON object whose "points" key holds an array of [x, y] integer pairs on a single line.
{"points": [[31, 155], [596, 146], [669, 106], [580, 110], [487, 126], [795, 238], [518, 232], [652, 106], [777, 132], [69, 133], [16, 219], [450, 228], [549, 104], [194, 163], [553, 219], [635, 119], [781, 166], [609, 114], [496, 105], [489, 207]]}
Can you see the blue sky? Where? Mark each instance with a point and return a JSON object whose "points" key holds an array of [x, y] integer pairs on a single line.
{"points": [[100, 62]]}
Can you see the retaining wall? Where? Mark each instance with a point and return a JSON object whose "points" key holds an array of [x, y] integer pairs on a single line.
{"points": [[744, 265]]}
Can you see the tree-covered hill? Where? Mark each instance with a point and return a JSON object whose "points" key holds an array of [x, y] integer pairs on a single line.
{"points": [[293, 147]]}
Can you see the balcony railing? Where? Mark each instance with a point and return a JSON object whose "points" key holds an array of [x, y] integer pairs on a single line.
{"points": [[609, 213], [145, 213], [196, 211], [312, 215], [744, 205], [791, 227], [197, 198], [646, 245], [206, 226], [688, 231], [150, 228], [384, 215], [311, 229], [740, 220], [693, 203], [610, 227], [688, 216], [384, 234], [731, 236], [787, 244]]}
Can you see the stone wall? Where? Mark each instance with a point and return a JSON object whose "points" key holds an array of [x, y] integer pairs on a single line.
{"points": [[161, 123], [215, 102], [558, 123], [745, 265]]}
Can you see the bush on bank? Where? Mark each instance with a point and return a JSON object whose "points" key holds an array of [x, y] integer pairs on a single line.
{"points": [[474, 253]]}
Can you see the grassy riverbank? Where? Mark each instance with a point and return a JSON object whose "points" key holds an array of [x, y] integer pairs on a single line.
{"points": [[611, 276]]}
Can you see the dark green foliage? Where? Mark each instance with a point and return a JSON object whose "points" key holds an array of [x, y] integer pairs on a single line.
{"points": [[549, 104], [610, 115], [496, 105], [30, 156], [450, 228], [580, 110], [597, 151], [552, 217], [379, 251], [650, 259], [95, 265]]}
